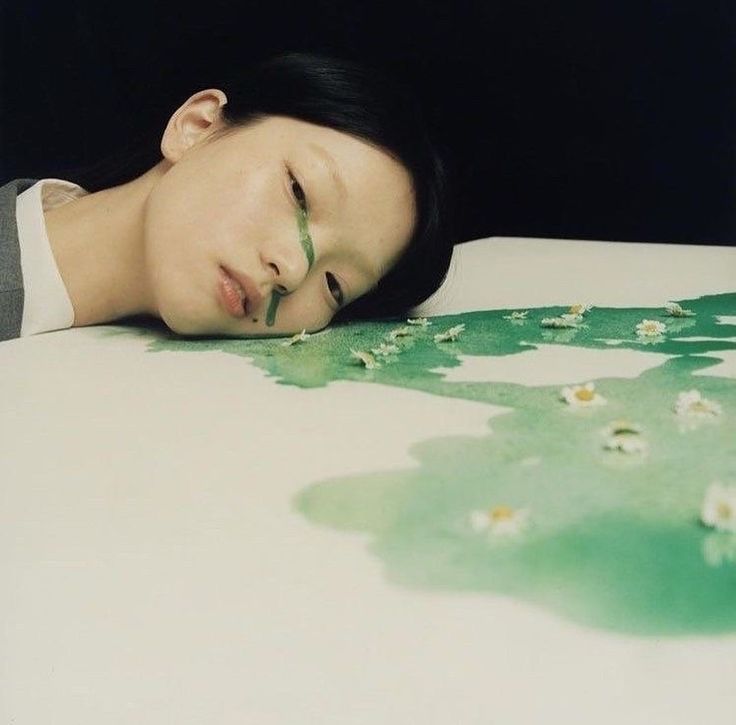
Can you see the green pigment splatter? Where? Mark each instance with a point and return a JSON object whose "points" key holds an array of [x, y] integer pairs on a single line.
{"points": [[614, 540]]}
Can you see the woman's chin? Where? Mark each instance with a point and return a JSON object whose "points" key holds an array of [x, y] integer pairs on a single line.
{"points": [[184, 321]]}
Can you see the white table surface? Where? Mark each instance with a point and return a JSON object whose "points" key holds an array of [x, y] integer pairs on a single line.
{"points": [[155, 571]]}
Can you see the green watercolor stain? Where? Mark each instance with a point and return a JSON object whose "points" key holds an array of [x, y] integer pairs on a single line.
{"points": [[273, 305], [305, 240], [614, 540]]}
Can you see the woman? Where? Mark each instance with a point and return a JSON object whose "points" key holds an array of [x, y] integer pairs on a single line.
{"points": [[303, 191]]}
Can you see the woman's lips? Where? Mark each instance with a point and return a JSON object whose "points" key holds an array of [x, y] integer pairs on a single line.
{"points": [[231, 296], [239, 294]]}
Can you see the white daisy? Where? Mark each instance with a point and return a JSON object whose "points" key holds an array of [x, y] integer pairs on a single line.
{"points": [[624, 436], [679, 324], [719, 507], [399, 332], [650, 328], [625, 444], [560, 337], [692, 403], [419, 321], [719, 548], [518, 315], [383, 349], [581, 396], [366, 358], [579, 309], [565, 320], [623, 426], [674, 310], [450, 334], [500, 520], [299, 337]]}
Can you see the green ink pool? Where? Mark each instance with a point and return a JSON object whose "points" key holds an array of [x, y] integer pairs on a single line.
{"points": [[613, 539]]}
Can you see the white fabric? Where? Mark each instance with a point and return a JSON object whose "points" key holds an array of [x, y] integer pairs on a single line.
{"points": [[46, 304]]}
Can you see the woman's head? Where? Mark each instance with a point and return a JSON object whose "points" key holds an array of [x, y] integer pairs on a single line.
{"points": [[312, 181], [356, 100]]}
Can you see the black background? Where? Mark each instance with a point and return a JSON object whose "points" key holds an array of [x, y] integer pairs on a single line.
{"points": [[589, 120]]}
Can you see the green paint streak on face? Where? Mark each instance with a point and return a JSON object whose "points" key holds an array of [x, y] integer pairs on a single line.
{"points": [[305, 239], [273, 305], [614, 540]]}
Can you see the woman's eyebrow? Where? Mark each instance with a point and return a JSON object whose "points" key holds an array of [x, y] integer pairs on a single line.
{"points": [[329, 163]]}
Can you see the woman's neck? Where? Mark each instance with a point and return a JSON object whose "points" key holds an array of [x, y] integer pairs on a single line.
{"points": [[98, 243]]}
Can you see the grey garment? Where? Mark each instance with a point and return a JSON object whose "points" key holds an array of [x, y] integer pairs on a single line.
{"points": [[11, 273]]}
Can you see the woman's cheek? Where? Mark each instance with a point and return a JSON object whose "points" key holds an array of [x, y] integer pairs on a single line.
{"points": [[304, 309]]}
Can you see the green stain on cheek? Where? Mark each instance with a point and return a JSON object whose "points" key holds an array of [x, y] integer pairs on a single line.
{"points": [[305, 238], [272, 307]]}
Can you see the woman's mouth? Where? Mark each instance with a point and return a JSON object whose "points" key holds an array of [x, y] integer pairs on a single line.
{"points": [[232, 296], [238, 292]]}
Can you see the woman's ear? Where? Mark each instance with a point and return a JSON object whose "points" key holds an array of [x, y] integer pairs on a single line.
{"points": [[195, 120]]}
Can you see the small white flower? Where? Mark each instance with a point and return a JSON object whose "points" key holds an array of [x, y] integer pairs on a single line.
{"points": [[560, 337], [692, 403], [674, 310], [650, 328], [450, 334], [562, 321], [624, 436], [500, 520], [399, 332], [299, 337], [625, 444], [366, 358], [383, 349], [579, 309], [719, 548], [679, 324], [581, 396], [719, 507], [419, 321], [518, 315], [622, 427]]}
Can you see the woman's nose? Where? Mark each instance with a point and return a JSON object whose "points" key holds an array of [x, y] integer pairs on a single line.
{"points": [[287, 269]]}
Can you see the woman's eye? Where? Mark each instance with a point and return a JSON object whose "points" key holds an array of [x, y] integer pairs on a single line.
{"points": [[298, 193], [335, 289]]}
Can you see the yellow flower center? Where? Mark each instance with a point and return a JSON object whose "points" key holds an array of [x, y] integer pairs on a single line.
{"points": [[700, 406], [501, 513], [584, 394], [724, 511]]}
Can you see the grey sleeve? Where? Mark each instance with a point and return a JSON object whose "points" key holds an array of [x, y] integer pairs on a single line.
{"points": [[11, 274]]}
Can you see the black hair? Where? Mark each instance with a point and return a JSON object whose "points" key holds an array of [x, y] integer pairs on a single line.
{"points": [[372, 106]]}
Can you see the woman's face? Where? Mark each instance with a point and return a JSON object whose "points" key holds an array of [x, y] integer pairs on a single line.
{"points": [[306, 217]]}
